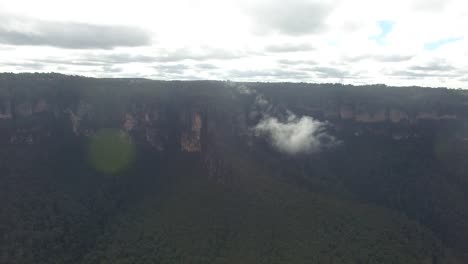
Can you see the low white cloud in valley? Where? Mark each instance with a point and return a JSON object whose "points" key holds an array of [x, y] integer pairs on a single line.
{"points": [[295, 135]]}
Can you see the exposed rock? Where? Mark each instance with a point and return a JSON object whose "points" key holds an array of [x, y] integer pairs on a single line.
{"points": [[331, 113], [5, 110], [367, 117], [190, 140], [427, 115], [434, 116], [153, 138], [29, 140], [147, 118], [41, 106], [397, 116], [446, 117], [24, 109], [83, 109], [346, 112], [21, 138], [75, 121], [400, 136], [129, 122]]}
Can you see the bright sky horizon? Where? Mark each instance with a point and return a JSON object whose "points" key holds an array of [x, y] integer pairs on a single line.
{"points": [[400, 42]]}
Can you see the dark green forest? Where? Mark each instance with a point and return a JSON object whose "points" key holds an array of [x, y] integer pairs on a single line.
{"points": [[143, 171]]}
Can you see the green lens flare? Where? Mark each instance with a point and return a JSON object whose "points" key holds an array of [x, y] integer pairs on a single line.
{"points": [[111, 151]]}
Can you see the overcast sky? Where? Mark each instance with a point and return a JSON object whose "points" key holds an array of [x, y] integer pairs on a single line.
{"points": [[398, 42]]}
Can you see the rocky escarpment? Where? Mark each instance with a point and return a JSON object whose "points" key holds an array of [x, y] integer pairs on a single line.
{"points": [[390, 114], [190, 140], [207, 118]]}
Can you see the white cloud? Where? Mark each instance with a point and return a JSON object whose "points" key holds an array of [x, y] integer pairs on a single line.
{"points": [[295, 135]]}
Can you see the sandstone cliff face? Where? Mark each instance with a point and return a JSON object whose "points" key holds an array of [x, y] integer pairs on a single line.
{"points": [[397, 116], [76, 116], [434, 116], [24, 109], [41, 106], [75, 122], [346, 112], [393, 115], [191, 139], [146, 122], [41, 119], [129, 122], [153, 122], [5, 110], [366, 117]]}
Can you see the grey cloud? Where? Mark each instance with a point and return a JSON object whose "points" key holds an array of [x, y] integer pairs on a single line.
{"points": [[99, 59], [207, 54], [62, 68], [206, 66], [105, 58], [329, 72], [111, 69], [171, 68], [250, 73], [289, 47], [437, 68], [297, 62], [170, 64], [166, 56], [393, 58], [172, 76], [118, 58], [296, 17], [420, 74], [432, 67], [295, 135], [110, 63], [68, 61], [71, 35], [281, 74], [24, 65], [382, 58]]}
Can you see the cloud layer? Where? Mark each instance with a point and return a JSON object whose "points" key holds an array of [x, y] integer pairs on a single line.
{"points": [[295, 18], [400, 42], [33, 32]]}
